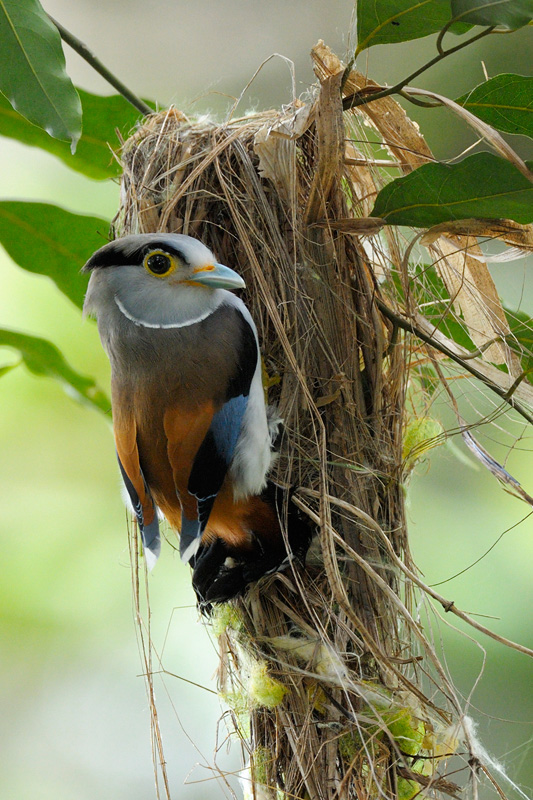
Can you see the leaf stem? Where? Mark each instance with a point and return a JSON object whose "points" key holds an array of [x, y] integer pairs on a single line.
{"points": [[442, 34], [415, 102], [360, 98], [82, 50]]}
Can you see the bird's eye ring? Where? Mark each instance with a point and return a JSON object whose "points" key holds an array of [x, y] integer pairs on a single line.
{"points": [[159, 263]]}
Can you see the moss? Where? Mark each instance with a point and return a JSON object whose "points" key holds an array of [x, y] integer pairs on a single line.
{"points": [[407, 789], [238, 702], [261, 758], [225, 616], [407, 730], [263, 689], [421, 434], [440, 742], [375, 692], [349, 746]]}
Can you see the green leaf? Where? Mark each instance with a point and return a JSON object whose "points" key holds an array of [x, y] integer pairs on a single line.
{"points": [[521, 327], [505, 102], [33, 76], [44, 359], [51, 241], [7, 368], [390, 21], [432, 299], [434, 302], [483, 185], [510, 14], [102, 116]]}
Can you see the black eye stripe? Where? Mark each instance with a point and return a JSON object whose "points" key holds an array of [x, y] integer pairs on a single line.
{"points": [[117, 254]]}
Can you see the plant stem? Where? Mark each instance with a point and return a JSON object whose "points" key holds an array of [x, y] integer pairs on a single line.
{"points": [[82, 50], [410, 327], [359, 99], [420, 103]]}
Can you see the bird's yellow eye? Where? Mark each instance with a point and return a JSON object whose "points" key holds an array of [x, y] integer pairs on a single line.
{"points": [[159, 263]]}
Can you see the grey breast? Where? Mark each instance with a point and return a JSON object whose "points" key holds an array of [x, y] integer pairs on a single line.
{"points": [[196, 361]]}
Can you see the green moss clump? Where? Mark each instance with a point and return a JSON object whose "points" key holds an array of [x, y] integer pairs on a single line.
{"points": [[264, 690], [420, 435], [225, 616], [238, 702], [349, 746], [261, 757], [407, 789], [407, 730]]}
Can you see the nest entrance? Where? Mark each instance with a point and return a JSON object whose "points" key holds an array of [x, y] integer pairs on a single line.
{"points": [[318, 665]]}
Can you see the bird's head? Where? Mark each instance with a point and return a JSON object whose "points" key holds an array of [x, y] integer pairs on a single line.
{"points": [[158, 279], [171, 257]]}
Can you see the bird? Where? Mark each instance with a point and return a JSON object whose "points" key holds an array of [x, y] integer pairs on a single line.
{"points": [[194, 437]]}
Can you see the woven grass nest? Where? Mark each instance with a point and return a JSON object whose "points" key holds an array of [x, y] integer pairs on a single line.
{"points": [[335, 691]]}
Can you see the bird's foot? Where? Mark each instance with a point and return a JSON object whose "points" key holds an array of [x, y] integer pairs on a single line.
{"points": [[221, 572], [218, 574]]}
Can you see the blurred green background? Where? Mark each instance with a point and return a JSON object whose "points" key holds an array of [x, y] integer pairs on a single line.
{"points": [[74, 713]]}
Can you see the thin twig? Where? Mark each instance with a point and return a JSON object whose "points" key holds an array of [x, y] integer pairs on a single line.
{"points": [[82, 50], [421, 103], [453, 21], [360, 98], [448, 605], [144, 641], [409, 326]]}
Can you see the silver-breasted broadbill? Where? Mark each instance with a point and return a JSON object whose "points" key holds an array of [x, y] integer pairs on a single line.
{"points": [[193, 435]]}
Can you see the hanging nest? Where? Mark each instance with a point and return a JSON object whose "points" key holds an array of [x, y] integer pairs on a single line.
{"points": [[333, 688]]}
